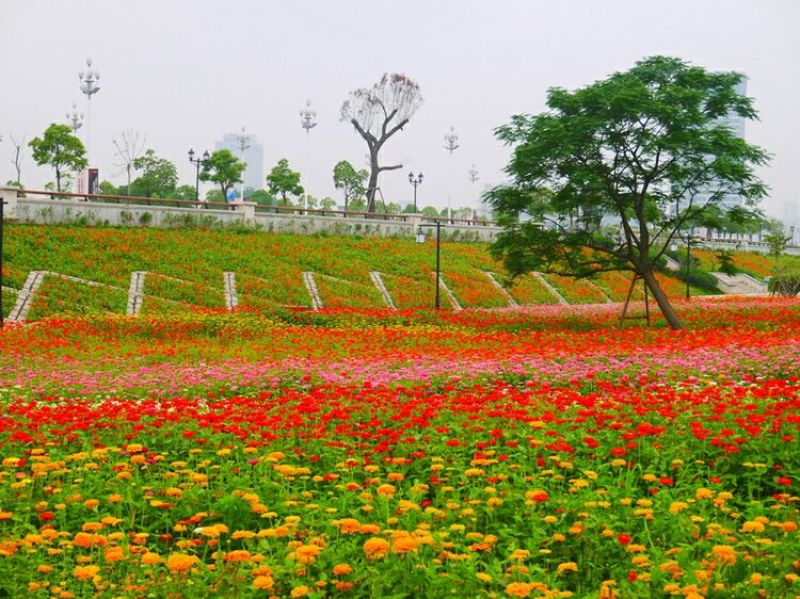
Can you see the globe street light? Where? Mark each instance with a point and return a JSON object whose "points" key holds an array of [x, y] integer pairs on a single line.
{"points": [[308, 117], [472, 175], [308, 120], [415, 181], [197, 162], [74, 118], [451, 145], [89, 86]]}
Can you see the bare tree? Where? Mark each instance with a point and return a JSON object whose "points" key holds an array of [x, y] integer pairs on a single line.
{"points": [[129, 148], [17, 162], [377, 113]]}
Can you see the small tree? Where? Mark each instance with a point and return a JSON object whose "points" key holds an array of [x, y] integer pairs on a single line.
{"points": [[776, 239], [59, 148], [284, 182], [184, 192], [262, 197], [159, 176], [725, 263], [646, 147], [17, 161], [349, 180], [377, 113], [224, 169], [128, 148]]}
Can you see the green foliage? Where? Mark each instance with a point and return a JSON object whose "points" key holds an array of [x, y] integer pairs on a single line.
{"points": [[262, 198], [284, 182], [107, 188], [350, 181], [785, 283], [158, 179], [59, 148], [776, 238], [633, 146], [184, 192], [429, 211], [725, 262], [222, 168]]}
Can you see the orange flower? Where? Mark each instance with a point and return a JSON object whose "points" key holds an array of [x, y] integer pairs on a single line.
{"points": [[263, 582], [85, 572], [376, 548], [178, 563], [306, 554], [348, 525], [342, 569], [404, 543], [238, 555], [151, 559], [114, 554]]}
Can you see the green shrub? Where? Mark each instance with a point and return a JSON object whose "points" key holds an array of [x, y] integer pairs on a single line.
{"points": [[785, 283]]}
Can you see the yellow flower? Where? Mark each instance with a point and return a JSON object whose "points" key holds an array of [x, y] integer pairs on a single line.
{"points": [[752, 526], [567, 567], [703, 493], [676, 507], [386, 490], [178, 563], [519, 589], [306, 554], [300, 591], [376, 548]]}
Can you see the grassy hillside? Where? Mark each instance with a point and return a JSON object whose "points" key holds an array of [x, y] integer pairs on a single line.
{"points": [[185, 268]]}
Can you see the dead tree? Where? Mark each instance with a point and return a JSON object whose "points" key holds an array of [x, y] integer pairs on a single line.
{"points": [[377, 113], [129, 148]]}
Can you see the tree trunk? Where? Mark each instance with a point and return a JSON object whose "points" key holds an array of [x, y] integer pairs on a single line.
{"points": [[662, 300], [372, 185], [58, 180]]}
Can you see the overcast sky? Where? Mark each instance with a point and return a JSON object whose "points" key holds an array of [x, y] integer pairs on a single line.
{"points": [[184, 73]]}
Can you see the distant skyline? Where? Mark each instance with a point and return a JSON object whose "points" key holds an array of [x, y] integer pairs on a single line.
{"points": [[185, 73]]}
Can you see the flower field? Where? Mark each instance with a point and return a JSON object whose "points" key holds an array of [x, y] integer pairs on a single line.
{"points": [[530, 452], [185, 271]]}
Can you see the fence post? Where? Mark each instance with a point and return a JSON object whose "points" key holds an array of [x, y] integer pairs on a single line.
{"points": [[9, 197], [247, 210]]}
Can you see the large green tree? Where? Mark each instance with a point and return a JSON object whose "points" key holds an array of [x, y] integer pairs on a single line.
{"points": [[349, 180], [158, 179], [61, 149], [224, 169], [647, 148], [377, 113], [284, 182]]}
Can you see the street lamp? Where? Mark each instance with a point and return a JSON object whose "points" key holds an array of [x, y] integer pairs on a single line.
{"points": [[89, 86], [472, 175], [415, 181], [451, 145], [308, 117], [2, 216], [243, 145], [421, 239], [197, 162], [74, 118], [308, 120]]}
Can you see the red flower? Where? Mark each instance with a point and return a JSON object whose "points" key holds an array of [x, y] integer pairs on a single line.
{"points": [[623, 538]]}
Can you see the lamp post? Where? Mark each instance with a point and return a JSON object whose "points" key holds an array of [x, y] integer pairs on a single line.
{"points": [[243, 145], [415, 181], [197, 162], [451, 145], [472, 175], [421, 239], [89, 86], [74, 118], [308, 120], [2, 216], [688, 260]]}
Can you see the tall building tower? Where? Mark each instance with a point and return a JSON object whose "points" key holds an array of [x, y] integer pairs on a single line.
{"points": [[253, 155]]}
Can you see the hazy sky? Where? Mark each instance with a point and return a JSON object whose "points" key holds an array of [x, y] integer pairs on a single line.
{"points": [[184, 73]]}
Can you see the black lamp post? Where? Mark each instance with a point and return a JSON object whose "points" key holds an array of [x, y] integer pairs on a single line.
{"points": [[421, 239], [415, 181], [688, 260], [197, 162]]}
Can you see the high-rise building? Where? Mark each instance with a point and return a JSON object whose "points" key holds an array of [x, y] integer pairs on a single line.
{"points": [[253, 156]]}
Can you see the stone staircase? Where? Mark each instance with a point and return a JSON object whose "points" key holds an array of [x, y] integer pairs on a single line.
{"points": [[738, 284]]}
